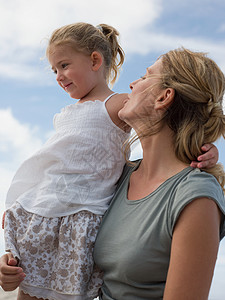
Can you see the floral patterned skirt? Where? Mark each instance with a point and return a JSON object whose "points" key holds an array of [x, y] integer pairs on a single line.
{"points": [[55, 253]]}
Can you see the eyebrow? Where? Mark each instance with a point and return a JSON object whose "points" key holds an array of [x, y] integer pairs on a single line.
{"points": [[61, 61]]}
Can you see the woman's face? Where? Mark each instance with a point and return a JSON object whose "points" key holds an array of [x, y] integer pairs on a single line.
{"points": [[144, 92]]}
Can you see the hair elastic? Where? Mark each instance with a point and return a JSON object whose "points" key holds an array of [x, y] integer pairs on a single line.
{"points": [[99, 27]]}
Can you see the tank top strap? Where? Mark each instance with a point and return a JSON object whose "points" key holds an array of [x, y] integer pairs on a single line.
{"points": [[109, 97]]}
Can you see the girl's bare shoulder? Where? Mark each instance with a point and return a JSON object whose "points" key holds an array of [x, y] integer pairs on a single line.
{"points": [[113, 106]]}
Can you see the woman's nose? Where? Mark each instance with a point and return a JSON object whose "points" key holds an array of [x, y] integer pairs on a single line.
{"points": [[133, 83]]}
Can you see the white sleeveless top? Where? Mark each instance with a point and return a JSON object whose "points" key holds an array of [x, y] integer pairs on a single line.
{"points": [[77, 168]]}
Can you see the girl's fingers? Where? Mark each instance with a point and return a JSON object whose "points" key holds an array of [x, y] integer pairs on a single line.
{"points": [[207, 147], [11, 260], [8, 265]]}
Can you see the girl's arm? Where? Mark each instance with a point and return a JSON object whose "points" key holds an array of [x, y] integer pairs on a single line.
{"points": [[208, 159], [10, 275], [194, 250], [113, 106]]}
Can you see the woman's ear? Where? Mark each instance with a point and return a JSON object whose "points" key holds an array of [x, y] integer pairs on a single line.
{"points": [[97, 60], [165, 99]]}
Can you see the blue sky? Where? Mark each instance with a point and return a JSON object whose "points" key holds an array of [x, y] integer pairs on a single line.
{"points": [[30, 96]]}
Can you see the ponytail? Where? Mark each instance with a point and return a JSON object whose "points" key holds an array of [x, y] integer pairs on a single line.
{"points": [[118, 54]]}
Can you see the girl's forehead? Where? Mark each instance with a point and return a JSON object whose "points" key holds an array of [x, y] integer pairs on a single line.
{"points": [[57, 54], [59, 49]]}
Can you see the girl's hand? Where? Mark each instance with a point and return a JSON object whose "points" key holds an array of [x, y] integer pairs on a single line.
{"points": [[208, 159], [10, 275]]}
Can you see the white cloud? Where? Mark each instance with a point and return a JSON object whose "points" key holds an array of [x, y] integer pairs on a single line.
{"points": [[17, 141], [20, 71], [27, 24], [147, 42], [30, 21]]}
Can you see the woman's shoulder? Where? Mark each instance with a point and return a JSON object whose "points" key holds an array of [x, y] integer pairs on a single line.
{"points": [[200, 178], [200, 183], [195, 185]]}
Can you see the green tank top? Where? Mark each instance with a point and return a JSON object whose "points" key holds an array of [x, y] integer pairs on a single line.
{"points": [[134, 241]]}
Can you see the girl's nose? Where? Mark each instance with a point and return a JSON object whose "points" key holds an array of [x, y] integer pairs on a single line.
{"points": [[59, 76]]}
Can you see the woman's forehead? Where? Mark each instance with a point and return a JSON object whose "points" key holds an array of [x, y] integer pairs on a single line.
{"points": [[155, 68]]}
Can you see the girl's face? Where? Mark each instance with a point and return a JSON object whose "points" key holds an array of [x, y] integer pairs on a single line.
{"points": [[73, 71], [144, 92]]}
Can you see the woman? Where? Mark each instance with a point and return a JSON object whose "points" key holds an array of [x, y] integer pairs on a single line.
{"points": [[160, 236], [153, 242]]}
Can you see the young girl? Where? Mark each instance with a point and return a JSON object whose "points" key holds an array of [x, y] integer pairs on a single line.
{"points": [[58, 196]]}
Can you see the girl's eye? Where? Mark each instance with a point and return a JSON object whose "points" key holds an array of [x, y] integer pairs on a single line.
{"points": [[64, 65]]}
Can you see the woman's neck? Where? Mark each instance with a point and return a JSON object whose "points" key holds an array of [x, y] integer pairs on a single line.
{"points": [[159, 159], [159, 164]]}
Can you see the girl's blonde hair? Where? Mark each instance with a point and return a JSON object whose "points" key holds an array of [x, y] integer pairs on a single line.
{"points": [[86, 38], [196, 115]]}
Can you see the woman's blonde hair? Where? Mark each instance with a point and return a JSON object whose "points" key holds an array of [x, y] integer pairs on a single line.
{"points": [[196, 115], [86, 38]]}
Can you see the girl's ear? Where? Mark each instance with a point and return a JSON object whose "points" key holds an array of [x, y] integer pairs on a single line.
{"points": [[97, 60], [165, 99]]}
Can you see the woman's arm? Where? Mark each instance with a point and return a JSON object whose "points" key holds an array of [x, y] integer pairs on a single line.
{"points": [[10, 275], [194, 250], [208, 159]]}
